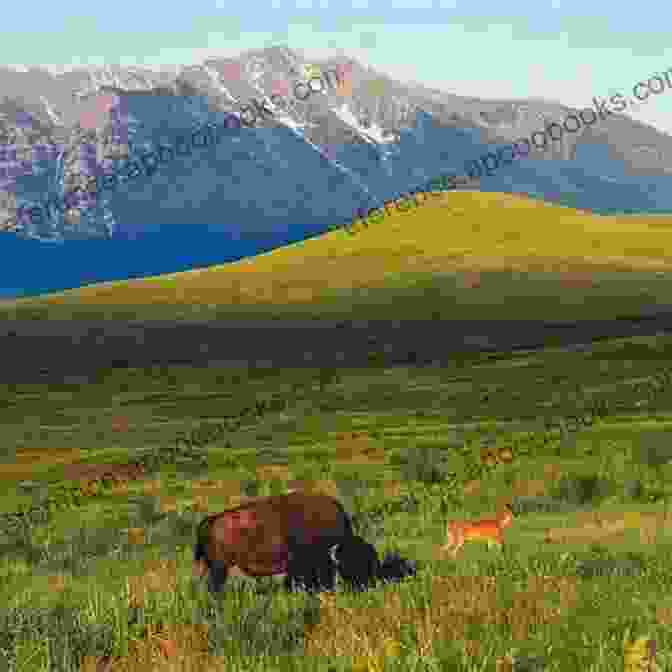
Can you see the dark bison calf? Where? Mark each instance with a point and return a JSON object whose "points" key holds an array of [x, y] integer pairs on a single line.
{"points": [[296, 534]]}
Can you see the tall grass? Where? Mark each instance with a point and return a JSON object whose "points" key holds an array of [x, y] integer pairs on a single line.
{"points": [[106, 577]]}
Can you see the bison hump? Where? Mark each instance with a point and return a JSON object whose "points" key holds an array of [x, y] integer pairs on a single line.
{"points": [[240, 522]]}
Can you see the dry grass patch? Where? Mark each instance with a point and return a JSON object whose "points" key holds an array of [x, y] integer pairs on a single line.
{"points": [[664, 615], [505, 664], [391, 489], [320, 486], [650, 524], [272, 472], [57, 582], [119, 488], [453, 604], [594, 527], [153, 486], [358, 448], [26, 461], [364, 633], [159, 576], [174, 648], [135, 535], [648, 532], [459, 600], [529, 487], [611, 526], [535, 487], [200, 504], [226, 491], [372, 457], [168, 504], [471, 488], [228, 487], [552, 471], [28, 456]]}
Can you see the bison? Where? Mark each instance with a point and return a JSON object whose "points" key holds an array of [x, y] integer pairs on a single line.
{"points": [[357, 563], [306, 537], [394, 568]]}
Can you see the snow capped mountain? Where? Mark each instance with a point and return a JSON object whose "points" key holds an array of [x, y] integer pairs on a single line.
{"points": [[267, 89], [301, 146]]}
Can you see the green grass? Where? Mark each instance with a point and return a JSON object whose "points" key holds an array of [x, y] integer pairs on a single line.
{"points": [[404, 419], [400, 446]]}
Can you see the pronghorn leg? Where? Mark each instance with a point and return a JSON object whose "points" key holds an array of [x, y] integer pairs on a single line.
{"points": [[451, 540], [451, 548], [455, 545]]}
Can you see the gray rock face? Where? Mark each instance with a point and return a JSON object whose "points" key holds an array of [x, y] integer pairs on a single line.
{"points": [[340, 113]]}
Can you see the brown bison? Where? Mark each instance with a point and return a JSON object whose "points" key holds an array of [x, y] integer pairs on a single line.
{"points": [[305, 536]]}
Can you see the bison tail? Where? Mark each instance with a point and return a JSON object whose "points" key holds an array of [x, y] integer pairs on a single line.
{"points": [[200, 552], [202, 538], [201, 564]]}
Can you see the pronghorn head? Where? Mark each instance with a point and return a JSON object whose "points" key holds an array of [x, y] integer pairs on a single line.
{"points": [[506, 517]]}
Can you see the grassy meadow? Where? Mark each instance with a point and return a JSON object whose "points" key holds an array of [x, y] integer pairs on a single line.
{"points": [[99, 578]]}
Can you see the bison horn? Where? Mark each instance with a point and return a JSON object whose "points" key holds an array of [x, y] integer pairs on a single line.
{"points": [[332, 553]]}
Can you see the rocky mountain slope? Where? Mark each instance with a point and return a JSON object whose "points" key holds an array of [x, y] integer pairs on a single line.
{"points": [[295, 166]]}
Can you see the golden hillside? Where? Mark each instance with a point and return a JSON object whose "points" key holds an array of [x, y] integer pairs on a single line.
{"points": [[457, 241]]}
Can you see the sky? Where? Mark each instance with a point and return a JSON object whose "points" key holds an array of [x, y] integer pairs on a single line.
{"points": [[563, 51]]}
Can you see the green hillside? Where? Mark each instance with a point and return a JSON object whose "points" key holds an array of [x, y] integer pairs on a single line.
{"points": [[465, 255]]}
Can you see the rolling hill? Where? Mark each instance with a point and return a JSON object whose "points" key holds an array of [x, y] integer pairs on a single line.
{"points": [[465, 255]]}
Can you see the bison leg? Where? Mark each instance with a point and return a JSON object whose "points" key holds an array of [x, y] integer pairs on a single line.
{"points": [[200, 569], [217, 576], [323, 573]]}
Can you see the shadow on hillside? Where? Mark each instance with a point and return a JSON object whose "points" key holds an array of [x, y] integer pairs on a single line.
{"points": [[43, 351]]}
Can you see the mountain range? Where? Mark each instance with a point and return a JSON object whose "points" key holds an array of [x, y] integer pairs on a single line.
{"points": [[292, 174]]}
